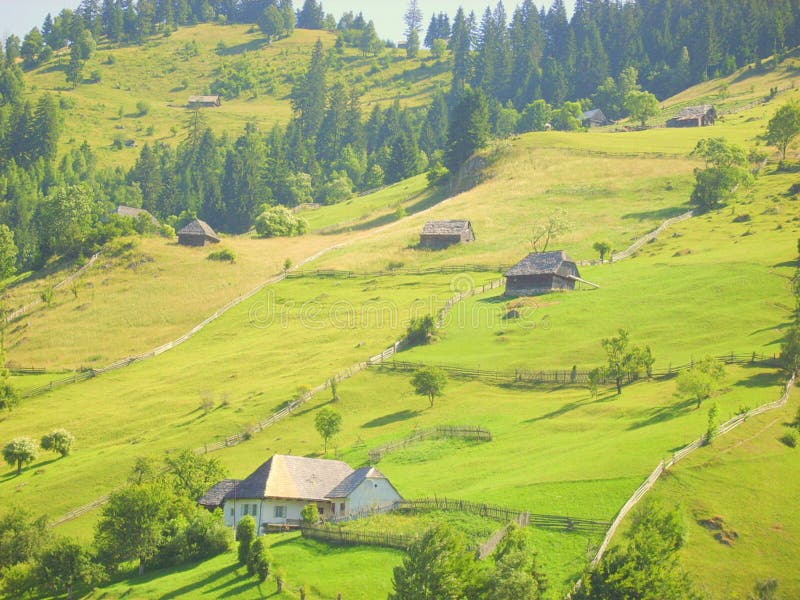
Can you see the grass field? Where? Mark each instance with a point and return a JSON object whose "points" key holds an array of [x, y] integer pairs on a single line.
{"points": [[708, 286]]}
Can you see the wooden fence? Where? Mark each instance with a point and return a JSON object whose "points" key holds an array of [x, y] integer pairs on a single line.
{"points": [[665, 465], [469, 432], [636, 246], [28, 307], [567, 376], [338, 535], [505, 515]]}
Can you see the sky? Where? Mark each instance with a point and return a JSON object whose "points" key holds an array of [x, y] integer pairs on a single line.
{"points": [[20, 16]]}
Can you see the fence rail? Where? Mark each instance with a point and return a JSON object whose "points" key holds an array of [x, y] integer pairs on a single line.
{"points": [[337, 535], [469, 432], [505, 515], [566, 376], [445, 269]]}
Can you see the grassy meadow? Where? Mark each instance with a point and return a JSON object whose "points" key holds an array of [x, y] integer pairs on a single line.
{"points": [[164, 71], [709, 285]]}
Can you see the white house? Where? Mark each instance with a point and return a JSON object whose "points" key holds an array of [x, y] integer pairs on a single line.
{"points": [[277, 492]]}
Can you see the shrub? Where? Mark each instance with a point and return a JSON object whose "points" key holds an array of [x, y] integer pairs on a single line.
{"points": [[206, 535], [142, 108], [222, 255], [279, 221], [258, 561], [421, 330], [245, 533], [310, 514]]}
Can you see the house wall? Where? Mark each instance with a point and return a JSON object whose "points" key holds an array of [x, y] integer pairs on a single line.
{"points": [[372, 493], [438, 241], [191, 240], [532, 285], [264, 510]]}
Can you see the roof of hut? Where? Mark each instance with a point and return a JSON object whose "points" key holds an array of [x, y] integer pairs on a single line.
{"points": [[540, 263], [198, 227], [451, 227], [694, 112]]}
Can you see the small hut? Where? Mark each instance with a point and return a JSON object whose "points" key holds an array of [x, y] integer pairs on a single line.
{"points": [[441, 234], [134, 213], [594, 118], [197, 233], [694, 116], [542, 272], [204, 101]]}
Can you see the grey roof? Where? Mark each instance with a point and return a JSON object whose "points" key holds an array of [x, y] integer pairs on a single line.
{"points": [[198, 227], [352, 481], [593, 114], [203, 99], [452, 227], [694, 112], [214, 497], [540, 263], [293, 477], [130, 211]]}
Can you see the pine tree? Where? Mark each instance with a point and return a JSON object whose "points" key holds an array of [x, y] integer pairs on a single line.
{"points": [[469, 128]]}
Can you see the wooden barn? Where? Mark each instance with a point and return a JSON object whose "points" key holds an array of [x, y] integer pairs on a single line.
{"points": [[441, 234], [594, 118], [134, 213], [541, 273], [197, 233], [694, 116], [205, 101]]}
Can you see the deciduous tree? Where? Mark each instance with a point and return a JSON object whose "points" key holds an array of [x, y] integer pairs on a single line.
{"points": [[65, 564], [700, 380], [245, 534], [58, 440], [328, 423], [430, 382], [641, 106], [784, 127], [19, 452]]}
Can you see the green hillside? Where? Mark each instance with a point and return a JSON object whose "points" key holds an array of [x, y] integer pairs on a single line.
{"points": [[164, 71], [711, 285]]}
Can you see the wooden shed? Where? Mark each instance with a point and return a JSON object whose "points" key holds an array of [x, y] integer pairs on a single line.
{"points": [[541, 273], [694, 116], [135, 213], [204, 101], [594, 118], [441, 234], [197, 233]]}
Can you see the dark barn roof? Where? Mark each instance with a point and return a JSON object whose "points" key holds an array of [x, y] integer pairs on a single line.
{"points": [[452, 227], [199, 228], [541, 263], [594, 116], [215, 496], [691, 113]]}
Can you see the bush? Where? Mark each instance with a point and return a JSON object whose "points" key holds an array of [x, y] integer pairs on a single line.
{"points": [[245, 533], [142, 107], [310, 514], [222, 255], [279, 221], [258, 561], [206, 535], [421, 331]]}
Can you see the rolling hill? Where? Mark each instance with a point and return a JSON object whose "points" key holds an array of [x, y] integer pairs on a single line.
{"points": [[711, 285]]}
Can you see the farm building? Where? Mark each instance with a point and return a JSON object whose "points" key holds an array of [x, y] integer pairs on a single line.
{"points": [[440, 234], [540, 273], [594, 118], [204, 101], [197, 233], [277, 492], [694, 116], [135, 213]]}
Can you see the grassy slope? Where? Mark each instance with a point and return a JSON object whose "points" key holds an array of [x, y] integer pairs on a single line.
{"points": [[752, 481], [553, 450], [156, 71]]}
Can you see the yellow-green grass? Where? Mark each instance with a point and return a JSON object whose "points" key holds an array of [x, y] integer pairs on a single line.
{"points": [[161, 73], [709, 285], [751, 481], [475, 528], [249, 362], [130, 302], [324, 572]]}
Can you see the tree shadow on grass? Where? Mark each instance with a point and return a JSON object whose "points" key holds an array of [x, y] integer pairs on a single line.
{"points": [[570, 406], [401, 415], [210, 579], [250, 46], [664, 413], [762, 379], [661, 214]]}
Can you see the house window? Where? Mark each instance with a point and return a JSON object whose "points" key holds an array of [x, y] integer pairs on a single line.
{"points": [[253, 509], [341, 507], [280, 512], [233, 512], [321, 510]]}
